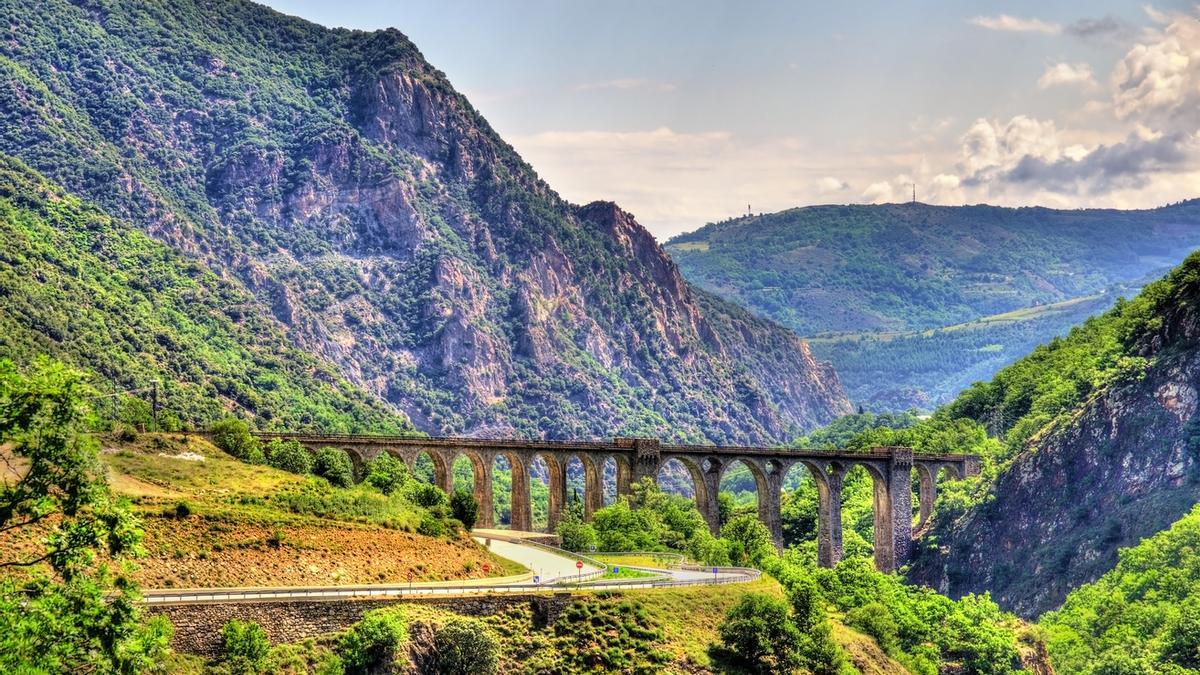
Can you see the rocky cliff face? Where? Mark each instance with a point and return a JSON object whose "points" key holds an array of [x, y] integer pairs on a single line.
{"points": [[380, 220], [1122, 468]]}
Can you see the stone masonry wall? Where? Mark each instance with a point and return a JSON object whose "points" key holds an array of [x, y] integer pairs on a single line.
{"points": [[198, 626]]}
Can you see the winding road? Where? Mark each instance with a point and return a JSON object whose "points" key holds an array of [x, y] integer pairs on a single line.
{"points": [[549, 567]]}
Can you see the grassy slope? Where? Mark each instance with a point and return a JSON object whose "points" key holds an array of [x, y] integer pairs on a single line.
{"points": [[329, 535]]}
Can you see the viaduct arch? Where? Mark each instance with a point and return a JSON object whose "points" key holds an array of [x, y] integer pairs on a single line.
{"points": [[890, 468]]}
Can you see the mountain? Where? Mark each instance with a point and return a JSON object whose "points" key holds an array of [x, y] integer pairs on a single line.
{"points": [[372, 216], [1101, 449], [912, 302], [79, 286]]}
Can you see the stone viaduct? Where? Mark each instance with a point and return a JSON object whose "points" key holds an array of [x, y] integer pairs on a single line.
{"points": [[889, 467]]}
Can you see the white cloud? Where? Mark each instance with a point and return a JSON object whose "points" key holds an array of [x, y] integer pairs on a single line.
{"points": [[829, 184], [878, 193], [1014, 24], [625, 84], [1161, 76], [1067, 74]]}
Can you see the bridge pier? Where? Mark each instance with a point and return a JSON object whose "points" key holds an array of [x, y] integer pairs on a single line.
{"points": [[769, 511], [829, 512], [482, 475], [893, 510], [593, 484], [556, 469], [706, 498]]}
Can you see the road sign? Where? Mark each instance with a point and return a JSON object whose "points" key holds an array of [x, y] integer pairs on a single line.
{"points": [[616, 569], [578, 564], [486, 567], [714, 570], [537, 579]]}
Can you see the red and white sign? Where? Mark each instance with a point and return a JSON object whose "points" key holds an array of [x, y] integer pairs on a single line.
{"points": [[578, 564]]}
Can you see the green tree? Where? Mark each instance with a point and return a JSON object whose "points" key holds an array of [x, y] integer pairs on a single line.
{"points": [[289, 456], [386, 473], [464, 508], [74, 612], [244, 646], [574, 533], [335, 466], [233, 436], [465, 647], [749, 540], [372, 642], [758, 635]]}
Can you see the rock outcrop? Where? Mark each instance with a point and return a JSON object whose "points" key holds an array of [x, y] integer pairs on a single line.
{"points": [[1123, 467]]}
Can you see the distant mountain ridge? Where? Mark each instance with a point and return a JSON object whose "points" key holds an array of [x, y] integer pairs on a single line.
{"points": [[372, 213], [857, 274]]}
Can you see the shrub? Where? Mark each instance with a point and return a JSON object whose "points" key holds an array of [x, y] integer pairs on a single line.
{"points": [[465, 647], [233, 436], [431, 526], [759, 636], [244, 646], [182, 510], [386, 473], [464, 508], [372, 642], [289, 456], [335, 466], [876, 620], [424, 494]]}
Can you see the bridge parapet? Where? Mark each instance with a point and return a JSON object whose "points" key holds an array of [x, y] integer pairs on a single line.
{"points": [[890, 469]]}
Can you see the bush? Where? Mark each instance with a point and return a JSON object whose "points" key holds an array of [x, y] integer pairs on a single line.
{"points": [[424, 494], [289, 456], [431, 526], [335, 466], [465, 647], [464, 508], [758, 635], [876, 620], [244, 646], [233, 436], [386, 473], [575, 534], [182, 510], [372, 642]]}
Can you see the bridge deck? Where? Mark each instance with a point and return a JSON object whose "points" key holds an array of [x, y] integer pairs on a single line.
{"points": [[620, 445]]}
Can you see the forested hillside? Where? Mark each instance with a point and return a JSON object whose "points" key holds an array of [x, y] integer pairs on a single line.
{"points": [[373, 217], [1143, 616], [96, 292], [1094, 448], [871, 283]]}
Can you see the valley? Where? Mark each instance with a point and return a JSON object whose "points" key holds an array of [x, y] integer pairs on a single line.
{"points": [[307, 369], [913, 303]]}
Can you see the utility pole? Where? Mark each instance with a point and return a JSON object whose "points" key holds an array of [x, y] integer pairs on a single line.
{"points": [[914, 187]]}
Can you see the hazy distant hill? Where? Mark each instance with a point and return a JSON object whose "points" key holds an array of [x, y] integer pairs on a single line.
{"points": [[375, 220], [870, 279]]}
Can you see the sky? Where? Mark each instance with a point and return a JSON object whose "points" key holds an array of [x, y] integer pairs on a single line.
{"points": [[686, 112]]}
